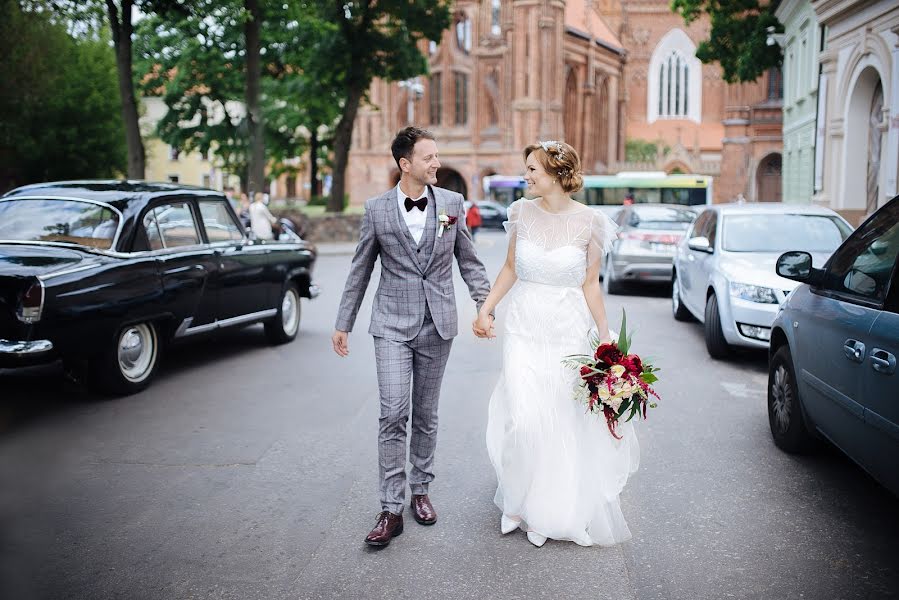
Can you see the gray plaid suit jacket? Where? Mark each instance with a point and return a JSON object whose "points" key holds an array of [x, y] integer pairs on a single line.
{"points": [[407, 289]]}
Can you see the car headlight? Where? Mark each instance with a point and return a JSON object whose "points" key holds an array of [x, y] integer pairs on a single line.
{"points": [[752, 293]]}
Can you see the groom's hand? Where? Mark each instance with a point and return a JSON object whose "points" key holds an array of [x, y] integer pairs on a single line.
{"points": [[339, 340], [483, 326]]}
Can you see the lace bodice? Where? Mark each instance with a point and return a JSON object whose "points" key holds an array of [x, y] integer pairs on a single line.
{"points": [[557, 248]]}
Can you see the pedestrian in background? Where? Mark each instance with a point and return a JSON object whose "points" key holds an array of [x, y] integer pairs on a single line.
{"points": [[473, 219], [261, 220], [243, 210]]}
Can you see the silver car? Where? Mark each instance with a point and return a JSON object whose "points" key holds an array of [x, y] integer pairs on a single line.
{"points": [[645, 246], [834, 346], [724, 267]]}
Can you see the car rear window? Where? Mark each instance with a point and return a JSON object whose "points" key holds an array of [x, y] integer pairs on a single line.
{"points": [[783, 232], [58, 220], [661, 217]]}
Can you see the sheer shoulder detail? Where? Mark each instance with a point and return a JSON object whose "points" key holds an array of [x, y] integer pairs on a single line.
{"points": [[603, 233]]}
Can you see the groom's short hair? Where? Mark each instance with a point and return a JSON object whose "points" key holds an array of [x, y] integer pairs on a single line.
{"points": [[405, 140]]}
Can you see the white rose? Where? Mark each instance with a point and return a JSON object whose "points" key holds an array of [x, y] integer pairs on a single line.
{"points": [[617, 370]]}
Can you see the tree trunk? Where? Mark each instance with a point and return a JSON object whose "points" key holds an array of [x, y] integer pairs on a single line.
{"points": [[122, 28], [256, 169], [343, 137], [314, 189]]}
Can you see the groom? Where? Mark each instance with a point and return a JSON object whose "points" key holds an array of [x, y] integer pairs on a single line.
{"points": [[416, 229]]}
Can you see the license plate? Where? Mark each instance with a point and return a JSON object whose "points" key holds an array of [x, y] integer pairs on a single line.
{"points": [[661, 248]]}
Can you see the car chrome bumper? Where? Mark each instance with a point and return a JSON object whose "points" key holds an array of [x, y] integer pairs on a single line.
{"points": [[643, 268], [14, 352]]}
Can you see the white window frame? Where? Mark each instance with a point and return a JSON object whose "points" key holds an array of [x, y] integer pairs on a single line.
{"points": [[675, 42]]}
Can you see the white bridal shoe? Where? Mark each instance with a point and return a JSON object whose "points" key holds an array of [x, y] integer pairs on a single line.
{"points": [[536, 539], [508, 525]]}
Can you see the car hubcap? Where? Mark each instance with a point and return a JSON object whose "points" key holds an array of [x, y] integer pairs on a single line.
{"points": [[137, 352], [782, 398], [290, 312]]}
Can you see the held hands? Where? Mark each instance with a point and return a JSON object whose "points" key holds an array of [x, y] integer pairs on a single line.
{"points": [[483, 326], [339, 341]]}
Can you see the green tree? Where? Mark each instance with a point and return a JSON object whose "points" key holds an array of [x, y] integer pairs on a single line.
{"points": [[60, 120], [738, 39], [200, 65], [371, 38]]}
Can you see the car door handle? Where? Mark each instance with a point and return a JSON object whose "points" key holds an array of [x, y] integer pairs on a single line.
{"points": [[883, 361], [854, 350]]}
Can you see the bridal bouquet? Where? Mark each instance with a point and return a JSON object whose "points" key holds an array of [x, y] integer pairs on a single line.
{"points": [[613, 381]]}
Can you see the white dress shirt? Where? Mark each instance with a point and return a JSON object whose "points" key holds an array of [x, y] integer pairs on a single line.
{"points": [[415, 219]]}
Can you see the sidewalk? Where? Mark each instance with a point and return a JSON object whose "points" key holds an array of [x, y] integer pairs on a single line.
{"points": [[336, 248]]}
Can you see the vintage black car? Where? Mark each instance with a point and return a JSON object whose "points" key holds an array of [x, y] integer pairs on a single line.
{"points": [[102, 274]]}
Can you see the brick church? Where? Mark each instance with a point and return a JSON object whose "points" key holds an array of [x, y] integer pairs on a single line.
{"points": [[595, 73]]}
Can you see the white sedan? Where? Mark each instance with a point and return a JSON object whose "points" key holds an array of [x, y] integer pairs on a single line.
{"points": [[723, 272]]}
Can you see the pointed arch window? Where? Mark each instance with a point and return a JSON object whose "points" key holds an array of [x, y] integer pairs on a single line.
{"points": [[675, 79]]}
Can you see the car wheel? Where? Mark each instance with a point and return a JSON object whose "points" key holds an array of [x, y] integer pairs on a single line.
{"points": [[127, 366], [714, 336], [784, 405], [283, 327], [678, 309], [609, 283]]}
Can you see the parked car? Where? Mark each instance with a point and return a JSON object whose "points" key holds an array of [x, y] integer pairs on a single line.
{"points": [[724, 267], [645, 246], [833, 350], [493, 214], [101, 274]]}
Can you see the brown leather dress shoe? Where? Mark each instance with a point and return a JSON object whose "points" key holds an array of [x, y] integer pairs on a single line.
{"points": [[388, 527], [423, 510]]}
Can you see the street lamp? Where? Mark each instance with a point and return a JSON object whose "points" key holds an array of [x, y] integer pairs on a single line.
{"points": [[774, 38], [415, 91]]}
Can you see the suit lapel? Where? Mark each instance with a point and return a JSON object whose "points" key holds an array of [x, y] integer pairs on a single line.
{"points": [[399, 224], [440, 208]]}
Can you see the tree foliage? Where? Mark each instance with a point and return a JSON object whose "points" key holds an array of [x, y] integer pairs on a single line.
{"points": [[60, 118], [371, 38], [738, 39]]}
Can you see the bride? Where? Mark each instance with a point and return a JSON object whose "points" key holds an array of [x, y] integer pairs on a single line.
{"points": [[559, 472]]}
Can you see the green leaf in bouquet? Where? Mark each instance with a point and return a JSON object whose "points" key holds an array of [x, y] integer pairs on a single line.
{"points": [[648, 377], [623, 340], [621, 409]]}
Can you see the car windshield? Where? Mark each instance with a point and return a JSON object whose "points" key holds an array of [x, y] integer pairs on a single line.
{"points": [[56, 220], [661, 217], [783, 232]]}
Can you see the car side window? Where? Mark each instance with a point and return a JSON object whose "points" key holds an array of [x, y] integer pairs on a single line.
{"points": [[700, 224], [171, 226], [712, 229], [863, 266], [219, 225]]}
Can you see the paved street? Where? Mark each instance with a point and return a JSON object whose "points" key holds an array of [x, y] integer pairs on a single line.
{"points": [[249, 471]]}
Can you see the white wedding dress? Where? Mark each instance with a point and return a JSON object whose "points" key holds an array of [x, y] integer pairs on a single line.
{"points": [[559, 470]]}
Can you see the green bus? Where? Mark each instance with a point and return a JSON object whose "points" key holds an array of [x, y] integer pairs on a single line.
{"points": [[611, 190]]}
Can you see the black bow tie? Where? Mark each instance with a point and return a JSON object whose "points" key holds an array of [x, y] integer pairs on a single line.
{"points": [[421, 204]]}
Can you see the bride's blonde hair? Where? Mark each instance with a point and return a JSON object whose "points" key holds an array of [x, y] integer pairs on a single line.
{"points": [[559, 160]]}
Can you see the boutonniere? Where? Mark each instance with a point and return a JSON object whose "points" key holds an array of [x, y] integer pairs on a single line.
{"points": [[446, 221]]}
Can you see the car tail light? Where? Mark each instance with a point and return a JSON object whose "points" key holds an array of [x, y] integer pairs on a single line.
{"points": [[31, 303]]}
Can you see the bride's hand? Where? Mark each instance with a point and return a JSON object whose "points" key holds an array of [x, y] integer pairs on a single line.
{"points": [[483, 326]]}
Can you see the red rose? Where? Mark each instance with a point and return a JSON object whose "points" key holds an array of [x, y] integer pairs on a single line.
{"points": [[632, 364], [608, 353]]}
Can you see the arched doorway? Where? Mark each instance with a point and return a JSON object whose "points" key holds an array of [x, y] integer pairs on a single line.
{"points": [[452, 180], [768, 179], [863, 119]]}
